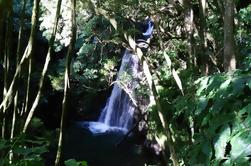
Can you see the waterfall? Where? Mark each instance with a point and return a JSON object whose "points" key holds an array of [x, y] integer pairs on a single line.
{"points": [[119, 108], [117, 114]]}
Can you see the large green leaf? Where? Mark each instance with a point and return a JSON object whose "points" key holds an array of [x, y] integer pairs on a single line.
{"points": [[238, 85], [203, 85], [242, 113], [219, 120], [218, 104], [241, 145], [225, 84], [201, 153], [221, 142], [202, 104]]}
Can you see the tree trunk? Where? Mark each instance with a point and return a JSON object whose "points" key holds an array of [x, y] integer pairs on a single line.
{"points": [[27, 93], [204, 57], [7, 54], [229, 53], [189, 27], [66, 81], [15, 109], [45, 68], [160, 110], [1, 38], [7, 100]]}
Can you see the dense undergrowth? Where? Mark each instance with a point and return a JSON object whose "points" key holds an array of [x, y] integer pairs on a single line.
{"points": [[211, 122]]}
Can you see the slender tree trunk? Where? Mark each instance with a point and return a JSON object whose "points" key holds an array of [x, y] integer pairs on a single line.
{"points": [[189, 25], [15, 110], [220, 6], [1, 38], [27, 93], [7, 54], [45, 68], [155, 99], [7, 100], [20, 34], [29, 70], [1, 60], [160, 110], [67, 81], [229, 53], [204, 57]]}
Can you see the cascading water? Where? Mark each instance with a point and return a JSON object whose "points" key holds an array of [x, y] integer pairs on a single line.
{"points": [[119, 109]]}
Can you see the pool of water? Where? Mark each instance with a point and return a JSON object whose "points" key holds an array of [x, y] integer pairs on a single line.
{"points": [[99, 128], [104, 148]]}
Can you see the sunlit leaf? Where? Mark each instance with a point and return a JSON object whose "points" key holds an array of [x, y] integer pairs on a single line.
{"points": [[241, 146], [203, 84], [202, 104], [114, 23], [139, 53], [225, 84], [178, 81], [168, 60], [132, 42]]}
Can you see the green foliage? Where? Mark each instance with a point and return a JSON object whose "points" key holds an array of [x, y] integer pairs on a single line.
{"points": [[17, 10], [216, 107], [220, 111], [72, 162], [95, 58], [28, 150], [56, 75], [48, 11], [243, 33]]}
